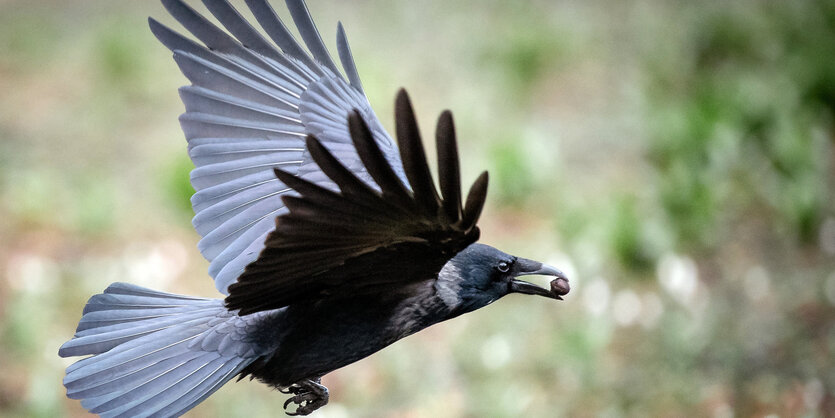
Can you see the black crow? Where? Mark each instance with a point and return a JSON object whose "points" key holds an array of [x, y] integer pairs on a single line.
{"points": [[328, 243]]}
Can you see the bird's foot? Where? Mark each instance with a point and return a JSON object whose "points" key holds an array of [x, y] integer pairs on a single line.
{"points": [[309, 395]]}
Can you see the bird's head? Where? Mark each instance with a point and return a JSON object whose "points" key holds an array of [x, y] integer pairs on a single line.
{"points": [[481, 274]]}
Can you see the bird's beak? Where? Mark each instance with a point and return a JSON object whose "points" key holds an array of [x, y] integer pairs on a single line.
{"points": [[559, 286]]}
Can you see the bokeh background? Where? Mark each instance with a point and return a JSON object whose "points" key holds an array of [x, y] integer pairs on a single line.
{"points": [[674, 158]]}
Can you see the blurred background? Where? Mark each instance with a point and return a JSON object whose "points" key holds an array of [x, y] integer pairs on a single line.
{"points": [[674, 158]]}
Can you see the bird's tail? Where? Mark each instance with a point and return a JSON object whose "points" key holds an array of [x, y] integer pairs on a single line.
{"points": [[153, 353]]}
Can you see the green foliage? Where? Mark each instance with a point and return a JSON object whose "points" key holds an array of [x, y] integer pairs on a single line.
{"points": [[747, 122], [525, 57], [25, 47], [116, 49], [96, 210], [511, 178], [174, 180], [122, 69], [628, 239], [84, 203], [530, 50]]}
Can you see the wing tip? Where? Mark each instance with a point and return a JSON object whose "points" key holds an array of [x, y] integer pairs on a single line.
{"points": [[445, 130], [311, 141], [357, 126], [320, 154], [286, 177], [354, 113], [475, 200], [157, 28], [482, 180], [446, 118], [449, 172], [402, 99]]}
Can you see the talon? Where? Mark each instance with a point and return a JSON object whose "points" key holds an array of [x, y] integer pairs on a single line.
{"points": [[309, 395]]}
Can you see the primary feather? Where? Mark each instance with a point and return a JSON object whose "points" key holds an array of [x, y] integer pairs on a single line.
{"points": [[250, 107], [359, 240]]}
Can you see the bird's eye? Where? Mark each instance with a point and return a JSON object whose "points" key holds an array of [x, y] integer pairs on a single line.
{"points": [[503, 267]]}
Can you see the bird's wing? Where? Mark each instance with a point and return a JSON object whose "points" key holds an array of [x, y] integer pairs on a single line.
{"points": [[249, 108], [362, 239]]}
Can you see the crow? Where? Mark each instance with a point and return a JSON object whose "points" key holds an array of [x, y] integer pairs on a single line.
{"points": [[328, 241]]}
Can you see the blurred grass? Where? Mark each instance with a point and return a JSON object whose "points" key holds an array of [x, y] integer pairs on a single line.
{"points": [[674, 158]]}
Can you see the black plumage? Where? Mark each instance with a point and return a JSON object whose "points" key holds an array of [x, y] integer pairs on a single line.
{"points": [[362, 241], [329, 242]]}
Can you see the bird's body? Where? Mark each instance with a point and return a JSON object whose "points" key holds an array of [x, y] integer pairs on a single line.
{"points": [[311, 337], [372, 322], [327, 241]]}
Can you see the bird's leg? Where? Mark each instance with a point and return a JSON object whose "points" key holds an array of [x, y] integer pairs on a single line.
{"points": [[309, 395]]}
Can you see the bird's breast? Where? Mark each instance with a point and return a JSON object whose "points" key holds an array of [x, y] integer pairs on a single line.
{"points": [[320, 337]]}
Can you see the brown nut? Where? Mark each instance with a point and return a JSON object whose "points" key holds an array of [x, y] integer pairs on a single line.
{"points": [[559, 286]]}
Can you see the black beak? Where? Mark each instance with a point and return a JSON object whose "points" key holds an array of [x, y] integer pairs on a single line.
{"points": [[525, 267]]}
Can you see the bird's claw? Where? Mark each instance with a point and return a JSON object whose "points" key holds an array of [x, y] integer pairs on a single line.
{"points": [[294, 389], [307, 403], [309, 395]]}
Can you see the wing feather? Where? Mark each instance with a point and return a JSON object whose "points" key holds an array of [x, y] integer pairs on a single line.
{"points": [[252, 101], [414, 158], [448, 170], [360, 240], [475, 200], [199, 26], [309, 33], [240, 28], [391, 185], [269, 21], [201, 100], [347, 59]]}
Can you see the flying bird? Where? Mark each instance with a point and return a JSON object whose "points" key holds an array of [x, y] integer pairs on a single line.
{"points": [[328, 240]]}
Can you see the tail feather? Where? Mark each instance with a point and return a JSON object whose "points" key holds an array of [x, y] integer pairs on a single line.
{"points": [[127, 362], [154, 353], [99, 340], [181, 395], [97, 387], [139, 391], [108, 301], [205, 388], [98, 319], [120, 288]]}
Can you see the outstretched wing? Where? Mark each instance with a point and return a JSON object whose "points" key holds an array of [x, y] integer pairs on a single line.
{"points": [[249, 108], [364, 240]]}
